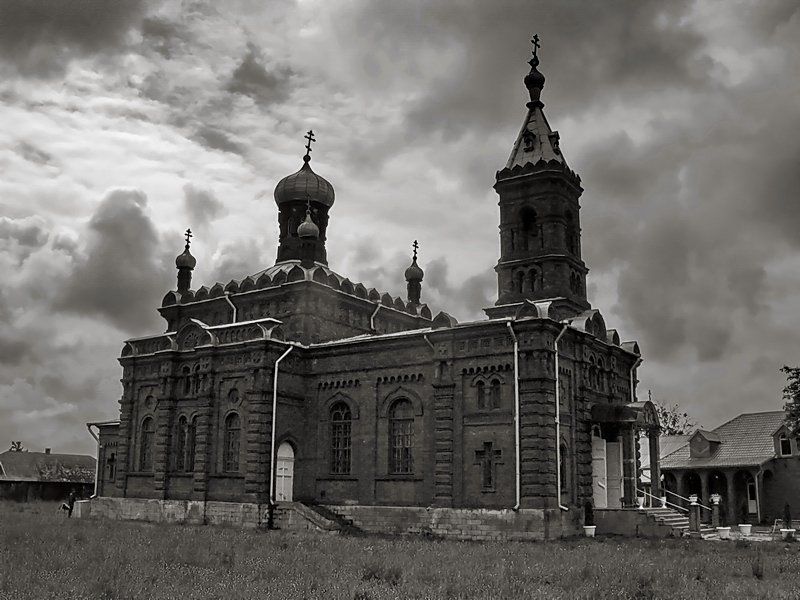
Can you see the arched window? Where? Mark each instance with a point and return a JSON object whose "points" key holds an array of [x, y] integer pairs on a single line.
{"points": [[480, 392], [341, 421], [530, 228], [231, 449], [111, 466], [496, 393], [191, 444], [566, 479], [180, 444], [187, 381], [532, 280], [571, 238], [146, 445], [196, 380], [401, 437], [233, 395], [520, 281], [598, 375]]}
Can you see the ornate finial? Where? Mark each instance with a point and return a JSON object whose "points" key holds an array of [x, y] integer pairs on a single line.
{"points": [[188, 235], [534, 80], [415, 245], [310, 137], [536, 45]]}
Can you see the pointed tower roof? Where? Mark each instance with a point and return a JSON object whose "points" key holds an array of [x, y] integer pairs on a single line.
{"points": [[535, 142], [537, 145]]}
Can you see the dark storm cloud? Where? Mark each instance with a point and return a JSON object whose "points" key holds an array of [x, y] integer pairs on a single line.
{"points": [[216, 139], [237, 259], [33, 154], [163, 35], [120, 277], [29, 232], [465, 300], [201, 205], [40, 37], [251, 78], [465, 52]]}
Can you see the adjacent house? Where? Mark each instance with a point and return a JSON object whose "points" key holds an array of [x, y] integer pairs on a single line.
{"points": [[751, 462], [26, 476]]}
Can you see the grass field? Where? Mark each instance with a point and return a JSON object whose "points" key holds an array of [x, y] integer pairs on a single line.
{"points": [[43, 555]]}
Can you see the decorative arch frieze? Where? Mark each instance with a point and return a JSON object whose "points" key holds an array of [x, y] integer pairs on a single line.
{"points": [[193, 334]]}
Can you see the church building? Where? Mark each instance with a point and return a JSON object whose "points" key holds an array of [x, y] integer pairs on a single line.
{"points": [[298, 389]]}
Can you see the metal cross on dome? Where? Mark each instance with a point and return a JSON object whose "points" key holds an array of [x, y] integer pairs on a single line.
{"points": [[536, 44], [415, 245], [188, 235], [310, 137]]}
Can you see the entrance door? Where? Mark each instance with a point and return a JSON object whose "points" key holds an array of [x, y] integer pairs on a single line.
{"points": [[599, 475], [752, 505], [614, 469], [284, 473]]}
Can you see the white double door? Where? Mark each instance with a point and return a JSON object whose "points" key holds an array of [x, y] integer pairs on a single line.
{"points": [[606, 473], [284, 473]]}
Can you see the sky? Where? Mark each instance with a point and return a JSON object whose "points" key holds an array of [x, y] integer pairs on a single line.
{"points": [[124, 123]]}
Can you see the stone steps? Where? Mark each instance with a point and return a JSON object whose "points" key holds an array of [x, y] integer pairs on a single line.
{"points": [[678, 521]]}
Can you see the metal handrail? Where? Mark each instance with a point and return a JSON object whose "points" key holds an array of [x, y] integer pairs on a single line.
{"points": [[683, 498], [668, 503]]}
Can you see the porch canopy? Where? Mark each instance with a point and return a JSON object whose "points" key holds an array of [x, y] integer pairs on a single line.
{"points": [[630, 419]]}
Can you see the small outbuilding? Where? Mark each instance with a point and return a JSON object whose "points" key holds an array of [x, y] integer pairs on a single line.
{"points": [[752, 462], [27, 476]]}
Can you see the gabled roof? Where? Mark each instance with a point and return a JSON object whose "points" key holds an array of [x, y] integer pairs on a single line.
{"points": [[744, 441], [41, 466], [711, 436]]}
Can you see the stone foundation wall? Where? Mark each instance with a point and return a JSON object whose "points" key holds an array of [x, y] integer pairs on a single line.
{"points": [[452, 523], [463, 523], [236, 514]]}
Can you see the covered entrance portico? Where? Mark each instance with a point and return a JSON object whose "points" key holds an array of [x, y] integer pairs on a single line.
{"points": [[740, 489], [615, 469]]}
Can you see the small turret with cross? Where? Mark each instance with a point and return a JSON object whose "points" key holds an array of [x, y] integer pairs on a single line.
{"points": [[185, 264], [414, 277]]}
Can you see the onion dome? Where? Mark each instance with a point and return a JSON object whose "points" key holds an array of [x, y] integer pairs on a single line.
{"points": [[304, 185], [413, 272], [308, 228], [185, 260]]}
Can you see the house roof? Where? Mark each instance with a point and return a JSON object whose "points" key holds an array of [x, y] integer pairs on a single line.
{"points": [[667, 444], [745, 441], [41, 466]]}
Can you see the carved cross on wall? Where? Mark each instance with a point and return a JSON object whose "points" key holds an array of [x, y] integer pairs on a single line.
{"points": [[488, 458]]}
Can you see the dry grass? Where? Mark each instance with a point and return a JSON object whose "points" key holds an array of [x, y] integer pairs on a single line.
{"points": [[44, 555]]}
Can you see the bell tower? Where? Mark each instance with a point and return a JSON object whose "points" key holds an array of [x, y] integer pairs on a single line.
{"points": [[540, 239]]}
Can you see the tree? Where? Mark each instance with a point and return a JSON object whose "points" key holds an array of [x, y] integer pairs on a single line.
{"points": [[791, 394], [673, 420], [16, 447]]}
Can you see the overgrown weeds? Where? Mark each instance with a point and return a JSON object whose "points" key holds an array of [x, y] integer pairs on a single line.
{"points": [[44, 555]]}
